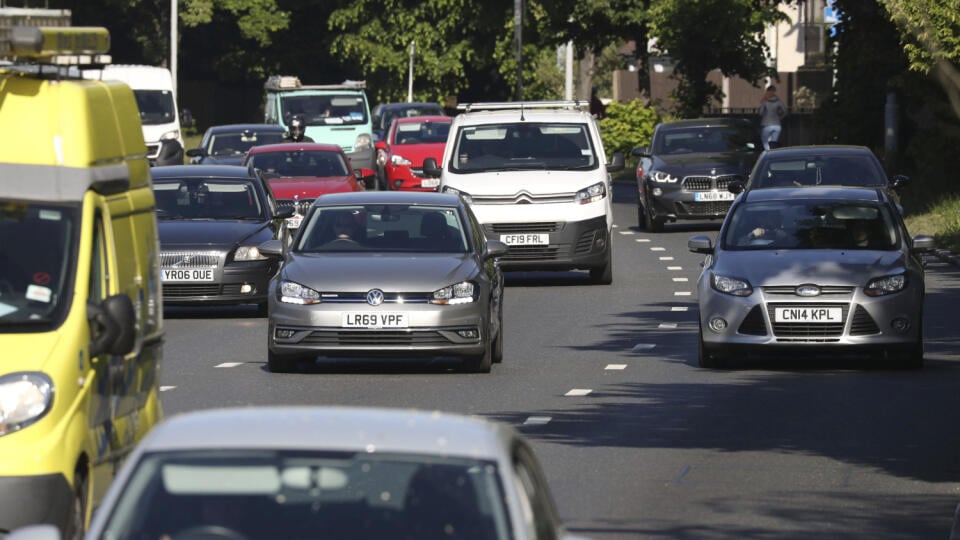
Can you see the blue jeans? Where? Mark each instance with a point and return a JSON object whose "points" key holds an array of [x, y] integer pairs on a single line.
{"points": [[769, 134]]}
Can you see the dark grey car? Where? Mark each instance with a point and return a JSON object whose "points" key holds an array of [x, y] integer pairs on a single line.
{"points": [[387, 274]]}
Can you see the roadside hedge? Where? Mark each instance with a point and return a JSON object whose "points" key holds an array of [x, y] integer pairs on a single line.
{"points": [[627, 125]]}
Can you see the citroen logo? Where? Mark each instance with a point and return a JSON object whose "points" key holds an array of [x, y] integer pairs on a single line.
{"points": [[374, 297], [808, 290]]}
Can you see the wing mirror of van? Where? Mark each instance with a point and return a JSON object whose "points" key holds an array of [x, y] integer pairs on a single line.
{"points": [[616, 162], [112, 325], [430, 168]]}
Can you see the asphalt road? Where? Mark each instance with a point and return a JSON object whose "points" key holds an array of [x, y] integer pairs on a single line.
{"points": [[636, 440]]}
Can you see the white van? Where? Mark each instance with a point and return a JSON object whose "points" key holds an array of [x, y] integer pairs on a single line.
{"points": [[159, 115], [537, 178]]}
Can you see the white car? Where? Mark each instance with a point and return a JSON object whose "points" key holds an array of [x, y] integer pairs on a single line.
{"points": [[537, 177]]}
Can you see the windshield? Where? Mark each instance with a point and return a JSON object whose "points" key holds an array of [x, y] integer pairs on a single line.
{"points": [[846, 170], [380, 227], [540, 146], [300, 163], [207, 198], [705, 139], [811, 225], [156, 106], [36, 263], [325, 110], [237, 144], [271, 495], [392, 113], [421, 132]]}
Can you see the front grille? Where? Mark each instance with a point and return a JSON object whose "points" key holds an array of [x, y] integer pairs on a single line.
{"points": [[512, 228], [791, 290], [525, 198], [807, 331], [182, 290], [753, 324], [361, 298], [153, 150], [530, 253], [708, 183], [300, 205], [862, 323], [190, 259], [374, 338], [703, 208]]}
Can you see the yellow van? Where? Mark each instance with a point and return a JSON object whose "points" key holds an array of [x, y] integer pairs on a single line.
{"points": [[81, 321]]}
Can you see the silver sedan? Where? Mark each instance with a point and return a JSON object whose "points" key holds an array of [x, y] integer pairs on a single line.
{"points": [[812, 270], [387, 274]]}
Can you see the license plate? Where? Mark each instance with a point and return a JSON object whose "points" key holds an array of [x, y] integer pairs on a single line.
{"points": [[525, 239], [293, 222], [710, 196], [806, 314], [430, 182], [188, 274], [374, 320]]}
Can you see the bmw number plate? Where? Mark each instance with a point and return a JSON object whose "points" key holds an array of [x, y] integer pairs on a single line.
{"points": [[525, 239], [374, 320], [187, 274], [802, 314], [710, 196]]}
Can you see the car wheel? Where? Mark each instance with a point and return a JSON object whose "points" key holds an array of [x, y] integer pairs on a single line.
{"points": [[481, 363], [497, 347], [603, 275], [708, 358], [651, 223], [641, 218], [262, 310], [908, 357], [282, 363], [78, 510]]}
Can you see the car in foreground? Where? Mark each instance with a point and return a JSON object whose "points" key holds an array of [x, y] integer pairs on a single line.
{"points": [[385, 113], [298, 173], [211, 220], [686, 171], [408, 143], [815, 271], [285, 473], [227, 144], [821, 165], [385, 273]]}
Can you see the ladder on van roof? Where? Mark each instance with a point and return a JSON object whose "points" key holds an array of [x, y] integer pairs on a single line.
{"points": [[521, 105]]}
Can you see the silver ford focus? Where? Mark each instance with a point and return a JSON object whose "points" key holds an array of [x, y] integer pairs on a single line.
{"points": [[814, 270], [387, 274]]}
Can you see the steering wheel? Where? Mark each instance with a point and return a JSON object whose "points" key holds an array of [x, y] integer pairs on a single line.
{"points": [[208, 532]]}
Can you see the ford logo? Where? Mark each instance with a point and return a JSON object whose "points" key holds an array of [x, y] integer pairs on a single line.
{"points": [[808, 290], [374, 297]]}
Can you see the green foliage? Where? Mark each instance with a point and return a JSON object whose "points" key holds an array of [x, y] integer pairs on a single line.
{"points": [[930, 30], [257, 20], [941, 220], [627, 125]]}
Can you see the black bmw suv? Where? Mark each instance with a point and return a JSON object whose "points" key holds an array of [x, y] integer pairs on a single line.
{"points": [[685, 172]]}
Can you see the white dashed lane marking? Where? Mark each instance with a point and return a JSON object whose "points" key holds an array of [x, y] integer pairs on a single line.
{"points": [[658, 249], [616, 367], [537, 420], [666, 258], [579, 392], [680, 279], [167, 388], [682, 293], [674, 268], [229, 364], [625, 232], [640, 347], [667, 325], [643, 239]]}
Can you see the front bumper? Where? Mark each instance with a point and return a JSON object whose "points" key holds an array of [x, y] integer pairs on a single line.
{"points": [[572, 245], [226, 287], [690, 199], [404, 178], [28, 500]]}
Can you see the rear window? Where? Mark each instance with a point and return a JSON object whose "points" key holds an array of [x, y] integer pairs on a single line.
{"points": [[523, 146], [814, 170], [705, 139]]}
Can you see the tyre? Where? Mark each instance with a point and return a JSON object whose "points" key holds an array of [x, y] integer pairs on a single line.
{"points": [[603, 275], [480, 363], [907, 357], [497, 347], [282, 363], [641, 218], [78, 508], [708, 358], [651, 223], [262, 309]]}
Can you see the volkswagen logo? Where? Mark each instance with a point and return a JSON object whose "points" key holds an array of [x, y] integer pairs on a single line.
{"points": [[184, 261], [808, 290], [374, 297]]}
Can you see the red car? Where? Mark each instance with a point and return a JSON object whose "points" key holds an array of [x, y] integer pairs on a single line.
{"points": [[298, 173], [409, 141]]}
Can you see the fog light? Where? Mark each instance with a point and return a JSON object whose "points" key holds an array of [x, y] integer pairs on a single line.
{"points": [[601, 240], [283, 333], [657, 192], [900, 325], [469, 333], [398, 184], [246, 288], [717, 324]]}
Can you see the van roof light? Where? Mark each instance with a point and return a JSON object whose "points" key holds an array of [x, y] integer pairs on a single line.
{"points": [[43, 43], [292, 82], [282, 82]]}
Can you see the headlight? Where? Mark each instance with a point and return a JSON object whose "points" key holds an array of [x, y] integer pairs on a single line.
{"points": [[175, 134], [24, 399], [461, 293], [591, 194], [729, 285], [363, 142], [397, 161], [248, 253], [463, 195], [292, 292], [886, 285], [663, 177]]}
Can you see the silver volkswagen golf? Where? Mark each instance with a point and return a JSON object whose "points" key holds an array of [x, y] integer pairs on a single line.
{"points": [[387, 274], [814, 270]]}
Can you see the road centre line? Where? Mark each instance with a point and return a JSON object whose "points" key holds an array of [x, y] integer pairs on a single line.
{"points": [[643, 239], [675, 268], [658, 249], [680, 280], [615, 367], [229, 364], [626, 232], [682, 293], [537, 420], [666, 258], [579, 392]]}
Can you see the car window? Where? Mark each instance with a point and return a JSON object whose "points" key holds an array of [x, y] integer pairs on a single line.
{"points": [[322, 110], [390, 114], [207, 198], [300, 163], [427, 132], [383, 227], [537, 146], [846, 170], [704, 139], [235, 144]]}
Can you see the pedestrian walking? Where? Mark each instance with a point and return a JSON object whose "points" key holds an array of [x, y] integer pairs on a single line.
{"points": [[771, 113]]}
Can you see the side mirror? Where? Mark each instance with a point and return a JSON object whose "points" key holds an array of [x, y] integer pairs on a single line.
{"points": [[616, 162], [195, 152], [923, 243], [272, 248], [495, 248], [899, 181], [112, 325], [430, 168], [736, 187], [640, 151], [284, 212], [700, 244]]}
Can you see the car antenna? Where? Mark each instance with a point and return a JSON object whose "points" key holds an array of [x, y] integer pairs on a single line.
{"points": [[522, 119]]}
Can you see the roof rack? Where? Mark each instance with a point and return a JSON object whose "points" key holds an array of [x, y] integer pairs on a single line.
{"points": [[292, 82], [521, 105]]}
